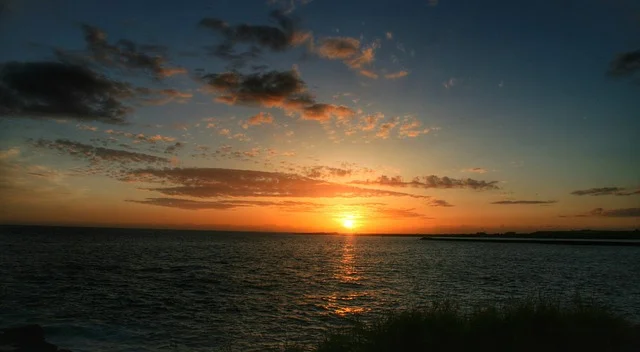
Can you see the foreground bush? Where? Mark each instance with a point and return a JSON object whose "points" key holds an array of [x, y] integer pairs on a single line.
{"points": [[532, 325]]}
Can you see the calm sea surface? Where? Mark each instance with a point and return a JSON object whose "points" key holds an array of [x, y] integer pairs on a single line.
{"points": [[133, 290]]}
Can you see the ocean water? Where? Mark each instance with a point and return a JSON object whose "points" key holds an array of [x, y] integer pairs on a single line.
{"points": [[150, 290]]}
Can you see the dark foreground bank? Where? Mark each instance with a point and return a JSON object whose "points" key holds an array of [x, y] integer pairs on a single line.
{"points": [[533, 325], [29, 338]]}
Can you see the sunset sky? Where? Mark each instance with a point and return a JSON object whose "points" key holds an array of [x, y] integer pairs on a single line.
{"points": [[417, 116]]}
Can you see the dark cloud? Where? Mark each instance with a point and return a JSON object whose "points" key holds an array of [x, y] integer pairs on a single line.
{"points": [[616, 213], [98, 154], [524, 202], [215, 182], [126, 54], [626, 64], [275, 38], [606, 191], [274, 89], [61, 90], [431, 182]]}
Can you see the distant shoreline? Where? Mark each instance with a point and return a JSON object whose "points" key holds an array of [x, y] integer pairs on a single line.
{"points": [[553, 241], [596, 236]]}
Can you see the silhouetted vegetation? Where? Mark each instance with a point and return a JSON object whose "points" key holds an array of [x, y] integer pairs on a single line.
{"points": [[530, 325]]}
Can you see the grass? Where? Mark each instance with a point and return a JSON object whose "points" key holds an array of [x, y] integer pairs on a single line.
{"points": [[529, 325]]}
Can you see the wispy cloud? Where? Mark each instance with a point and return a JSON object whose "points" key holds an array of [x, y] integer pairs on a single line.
{"points": [[476, 170], [396, 75], [626, 64], [258, 119], [215, 182], [611, 213], [606, 191], [524, 202], [126, 54], [430, 182], [98, 154]]}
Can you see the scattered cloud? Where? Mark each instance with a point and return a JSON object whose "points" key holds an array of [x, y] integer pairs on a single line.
{"points": [[82, 127], [275, 38], [216, 182], [411, 127], [396, 75], [174, 148], [369, 122], [389, 35], [606, 191], [125, 54], [61, 90], [524, 202], [430, 182], [168, 95], [384, 131], [140, 137], [98, 154], [258, 119], [338, 48]]}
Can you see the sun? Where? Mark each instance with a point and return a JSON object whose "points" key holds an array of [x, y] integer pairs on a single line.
{"points": [[348, 223]]}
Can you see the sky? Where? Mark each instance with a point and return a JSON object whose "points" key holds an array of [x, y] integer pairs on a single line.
{"points": [[417, 116]]}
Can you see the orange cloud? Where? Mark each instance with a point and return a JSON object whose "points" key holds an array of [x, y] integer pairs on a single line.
{"points": [[396, 75], [259, 119], [338, 47]]}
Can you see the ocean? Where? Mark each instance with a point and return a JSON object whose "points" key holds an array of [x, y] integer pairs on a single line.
{"points": [[157, 290]]}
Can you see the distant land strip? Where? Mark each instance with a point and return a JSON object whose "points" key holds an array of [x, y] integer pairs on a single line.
{"points": [[572, 242]]}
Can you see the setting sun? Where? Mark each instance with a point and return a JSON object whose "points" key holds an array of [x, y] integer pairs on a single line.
{"points": [[348, 223]]}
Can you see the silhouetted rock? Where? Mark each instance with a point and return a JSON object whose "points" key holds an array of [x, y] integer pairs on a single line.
{"points": [[29, 338]]}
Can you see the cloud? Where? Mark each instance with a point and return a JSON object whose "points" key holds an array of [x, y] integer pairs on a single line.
{"points": [[369, 122], [326, 172], [430, 182], [274, 89], [216, 182], [61, 90], [612, 213], [259, 119], [139, 137], [87, 128], [411, 127], [385, 129], [350, 52], [338, 48], [125, 54], [616, 213], [396, 75], [389, 35], [524, 202], [477, 170], [168, 95], [606, 191], [625, 64], [174, 148], [368, 73], [187, 204], [452, 82], [274, 38], [98, 154], [440, 203]]}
